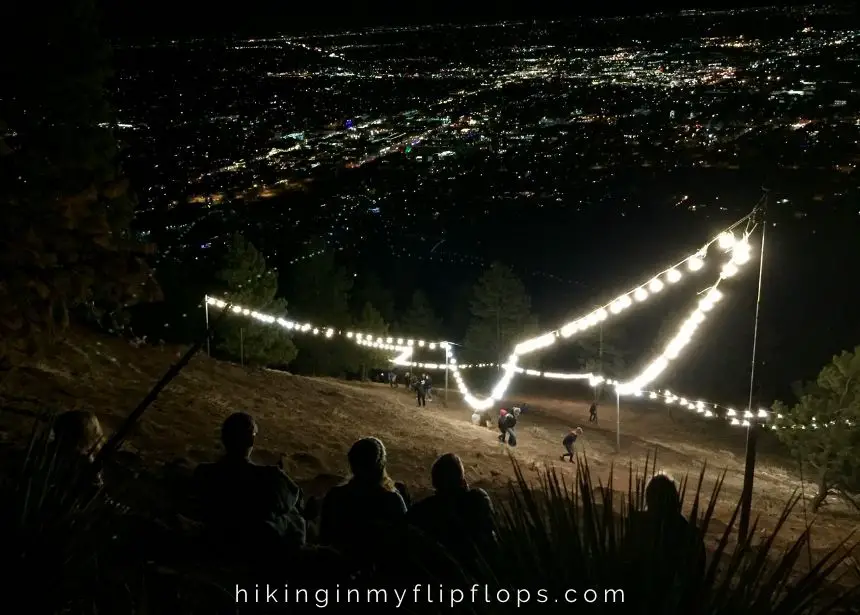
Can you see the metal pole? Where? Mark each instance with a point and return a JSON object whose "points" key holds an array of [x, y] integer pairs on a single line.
{"points": [[598, 391], [600, 350], [446, 371], [617, 421], [242, 346], [206, 309], [752, 429]]}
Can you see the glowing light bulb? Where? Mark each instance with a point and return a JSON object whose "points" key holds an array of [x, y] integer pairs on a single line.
{"points": [[673, 275], [741, 253], [695, 263], [726, 240], [729, 270], [655, 286], [641, 294]]}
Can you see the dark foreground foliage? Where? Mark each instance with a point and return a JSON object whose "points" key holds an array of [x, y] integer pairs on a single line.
{"points": [[69, 550]]}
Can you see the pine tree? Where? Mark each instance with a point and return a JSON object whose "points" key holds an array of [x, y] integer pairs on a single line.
{"points": [[64, 208], [370, 290], [251, 284], [320, 293], [420, 321], [823, 428], [371, 321], [501, 315]]}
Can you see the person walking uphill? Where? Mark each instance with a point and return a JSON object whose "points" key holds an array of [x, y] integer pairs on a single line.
{"points": [[507, 423], [592, 412], [421, 392], [569, 442]]}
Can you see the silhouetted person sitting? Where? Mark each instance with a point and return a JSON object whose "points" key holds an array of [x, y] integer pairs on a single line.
{"points": [[248, 508], [456, 516], [357, 517], [403, 490], [76, 437], [663, 543]]}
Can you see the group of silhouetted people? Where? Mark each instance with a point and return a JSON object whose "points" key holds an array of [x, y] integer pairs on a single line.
{"points": [[249, 504], [257, 513]]}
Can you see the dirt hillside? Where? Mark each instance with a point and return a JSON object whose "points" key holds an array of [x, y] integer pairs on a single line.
{"points": [[313, 422]]}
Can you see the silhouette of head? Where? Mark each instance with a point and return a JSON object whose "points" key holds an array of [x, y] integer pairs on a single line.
{"points": [[661, 496], [447, 473], [367, 459], [78, 432], [238, 433]]}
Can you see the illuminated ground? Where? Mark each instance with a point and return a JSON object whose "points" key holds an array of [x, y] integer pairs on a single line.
{"points": [[313, 421]]}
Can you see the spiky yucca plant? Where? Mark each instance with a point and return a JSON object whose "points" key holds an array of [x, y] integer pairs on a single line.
{"points": [[555, 536], [55, 529]]}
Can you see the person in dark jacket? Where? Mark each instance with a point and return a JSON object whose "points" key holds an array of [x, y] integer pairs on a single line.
{"points": [[421, 392], [507, 423], [247, 506], [569, 442], [503, 435], [458, 517], [358, 517], [428, 387], [592, 412]]}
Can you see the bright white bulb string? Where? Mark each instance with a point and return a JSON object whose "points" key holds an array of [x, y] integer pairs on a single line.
{"points": [[726, 241], [740, 255], [379, 342], [708, 409]]}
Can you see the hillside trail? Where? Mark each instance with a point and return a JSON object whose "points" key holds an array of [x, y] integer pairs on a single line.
{"points": [[313, 421], [645, 430]]}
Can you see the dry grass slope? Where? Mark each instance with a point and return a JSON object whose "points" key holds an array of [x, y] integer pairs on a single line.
{"points": [[313, 421]]}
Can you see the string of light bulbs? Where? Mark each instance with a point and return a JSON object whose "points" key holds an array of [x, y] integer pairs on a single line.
{"points": [[695, 262], [739, 418], [706, 408], [327, 332], [740, 255], [406, 347]]}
